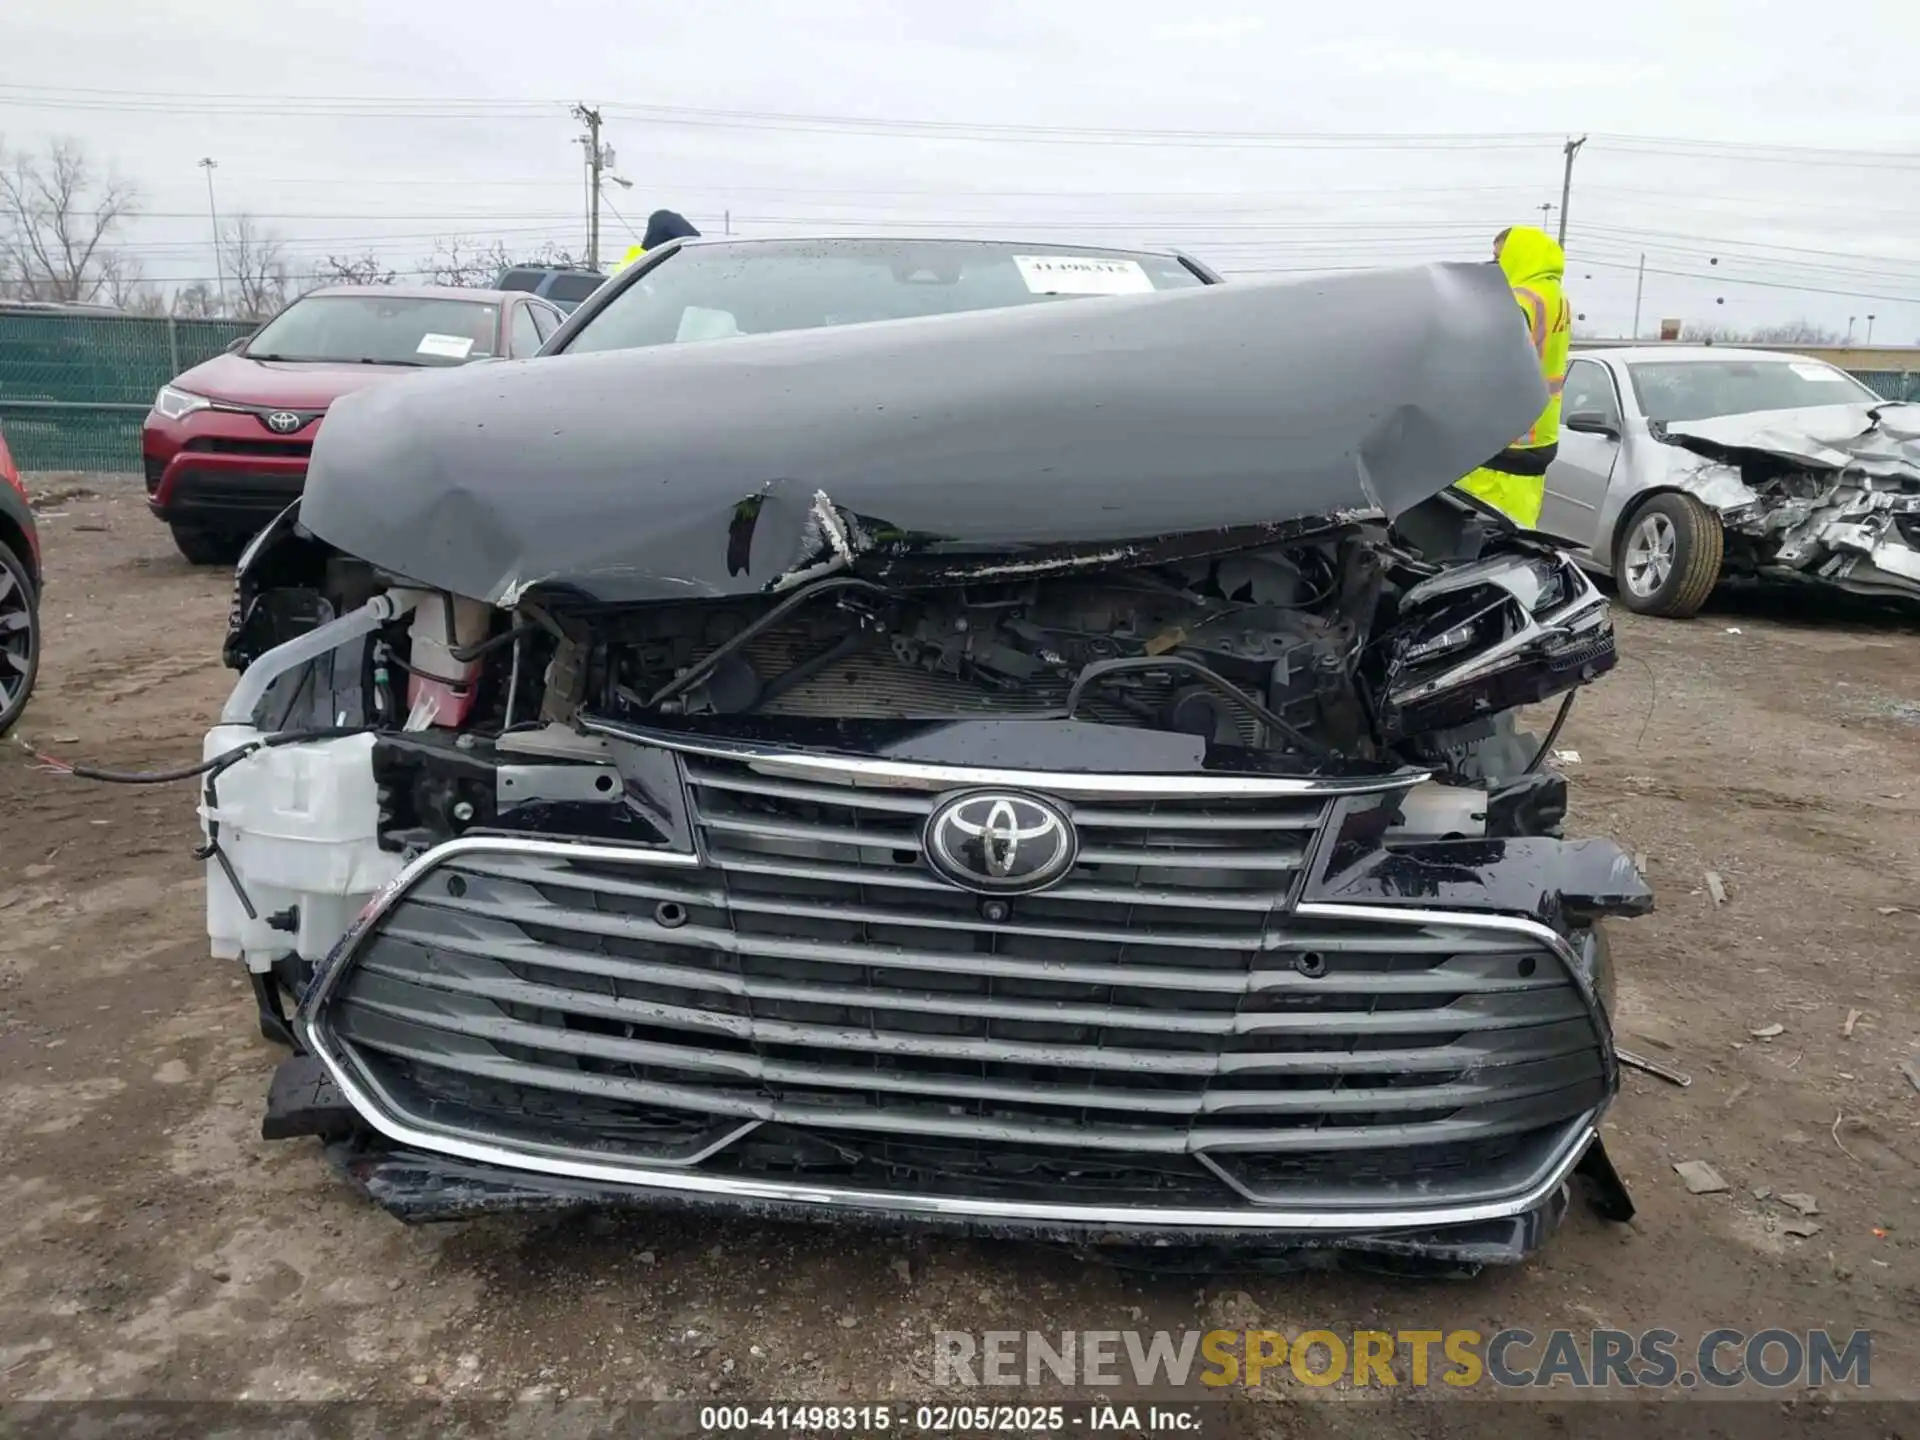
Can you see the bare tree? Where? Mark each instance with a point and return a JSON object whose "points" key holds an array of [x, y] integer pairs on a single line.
{"points": [[353, 270], [256, 261], [459, 261], [1790, 332], [123, 282], [56, 211], [196, 301], [1794, 332], [558, 256]]}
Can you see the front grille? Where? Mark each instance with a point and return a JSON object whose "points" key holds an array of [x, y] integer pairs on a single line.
{"points": [[277, 449], [813, 999], [240, 492]]}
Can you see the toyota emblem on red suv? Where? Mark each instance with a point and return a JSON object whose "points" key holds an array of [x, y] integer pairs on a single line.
{"points": [[284, 422]]}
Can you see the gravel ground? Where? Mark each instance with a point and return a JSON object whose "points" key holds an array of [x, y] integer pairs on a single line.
{"points": [[156, 1247]]}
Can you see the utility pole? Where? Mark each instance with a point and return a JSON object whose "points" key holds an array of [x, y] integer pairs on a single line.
{"points": [[591, 119], [209, 164], [1869, 329], [1566, 185], [1639, 289], [1546, 209]]}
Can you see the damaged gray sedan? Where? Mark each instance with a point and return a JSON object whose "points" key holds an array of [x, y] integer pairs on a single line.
{"points": [[1679, 465], [1046, 771]]}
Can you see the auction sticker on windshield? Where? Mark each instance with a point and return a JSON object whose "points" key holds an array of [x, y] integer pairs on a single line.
{"points": [[1082, 275], [447, 347], [1817, 372]]}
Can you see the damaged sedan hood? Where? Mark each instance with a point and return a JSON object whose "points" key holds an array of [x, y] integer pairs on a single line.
{"points": [[1881, 441], [1083, 428]]}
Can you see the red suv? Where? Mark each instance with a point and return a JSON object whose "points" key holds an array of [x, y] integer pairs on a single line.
{"points": [[226, 444]]}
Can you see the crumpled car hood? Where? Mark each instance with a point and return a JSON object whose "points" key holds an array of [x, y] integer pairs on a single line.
{"points": [[1882, 440], [1088, 426]]}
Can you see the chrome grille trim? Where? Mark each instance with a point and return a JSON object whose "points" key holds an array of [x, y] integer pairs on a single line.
{"points": [[1154, 851], [870, 773], [556, 864]]}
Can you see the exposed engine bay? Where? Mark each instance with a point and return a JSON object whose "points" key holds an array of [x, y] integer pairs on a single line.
{"points": [[1030, 871], [1347, 645]]}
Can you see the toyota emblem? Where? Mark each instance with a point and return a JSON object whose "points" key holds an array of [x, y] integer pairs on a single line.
{"points": [[284, 422], [996, 842]]}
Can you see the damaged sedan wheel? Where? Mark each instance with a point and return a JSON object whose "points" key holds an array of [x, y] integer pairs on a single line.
{"points": [[1669, 556]]}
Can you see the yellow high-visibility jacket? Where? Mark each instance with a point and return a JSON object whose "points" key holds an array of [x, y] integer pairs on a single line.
{"points": [[634, 252], [1535, 266], [1514, 481]]}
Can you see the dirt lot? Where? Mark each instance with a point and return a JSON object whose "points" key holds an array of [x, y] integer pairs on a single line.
{"points": [[154, 1246]]}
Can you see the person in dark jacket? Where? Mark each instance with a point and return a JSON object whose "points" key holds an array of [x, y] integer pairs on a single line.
{"points": [[662, 226], [665, 225]]}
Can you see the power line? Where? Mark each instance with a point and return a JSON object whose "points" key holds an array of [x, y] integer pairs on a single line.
{"points": [[705, 185], [396, 107], [1794, 205], [1722, 245], [496, 107], [607, 200], [1763, 284], [1850, 159]]}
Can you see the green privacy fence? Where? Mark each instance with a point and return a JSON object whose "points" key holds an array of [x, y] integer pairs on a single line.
{"points": [[74, 387]]}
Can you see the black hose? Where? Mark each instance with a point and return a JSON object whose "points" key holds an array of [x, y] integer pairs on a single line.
{"points": [[698, 672], [214, 766], [1211, 678], [1553, 734], [467, 654], [461, 686], [844, 648]]}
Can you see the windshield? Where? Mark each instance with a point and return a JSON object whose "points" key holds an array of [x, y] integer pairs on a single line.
{"points": [[572, 289], [378, 330], [709, 292], [1676, 390]]}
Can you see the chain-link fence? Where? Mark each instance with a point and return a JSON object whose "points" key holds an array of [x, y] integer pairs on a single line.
{"points": [[1893, 384], [74, 388]]}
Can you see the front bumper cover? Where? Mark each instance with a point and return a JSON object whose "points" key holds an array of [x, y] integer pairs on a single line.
{"points": [[420, 1188]]}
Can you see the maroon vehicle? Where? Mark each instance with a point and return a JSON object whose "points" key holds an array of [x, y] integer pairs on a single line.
{"points": [[20, 582], [226, 444]]}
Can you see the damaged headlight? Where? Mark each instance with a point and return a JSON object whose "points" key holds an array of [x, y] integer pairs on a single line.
{"points": [[1447, 640]]}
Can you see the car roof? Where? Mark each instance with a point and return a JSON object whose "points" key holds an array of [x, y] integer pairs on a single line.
{"points": [[421, 292], [1069, 245], [1688, 354]]}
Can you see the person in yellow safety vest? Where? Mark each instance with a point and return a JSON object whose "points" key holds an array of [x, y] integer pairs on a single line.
{"points": [[662, 226], [1514, 481]]}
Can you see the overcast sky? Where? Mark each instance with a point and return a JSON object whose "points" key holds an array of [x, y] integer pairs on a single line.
{"points": [[1780, 141]]}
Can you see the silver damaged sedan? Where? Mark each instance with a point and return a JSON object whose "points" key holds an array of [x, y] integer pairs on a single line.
{"points": [[1681, 464]]}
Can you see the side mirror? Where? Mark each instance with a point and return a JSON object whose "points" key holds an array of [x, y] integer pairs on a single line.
{"points": [[234, 346], [1592, 422]]}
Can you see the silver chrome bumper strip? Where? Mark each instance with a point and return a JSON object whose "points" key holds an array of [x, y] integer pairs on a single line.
{"points": [[370, 1108], [877, 774]]}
